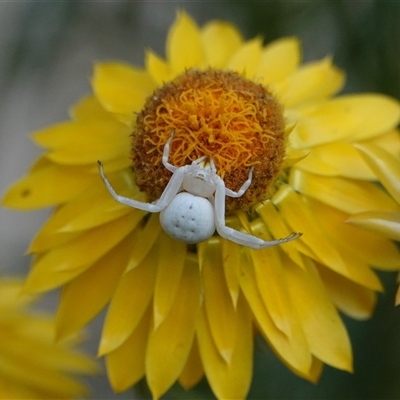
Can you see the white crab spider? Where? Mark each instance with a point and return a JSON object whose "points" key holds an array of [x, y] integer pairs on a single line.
{"points": [[192, 205]]}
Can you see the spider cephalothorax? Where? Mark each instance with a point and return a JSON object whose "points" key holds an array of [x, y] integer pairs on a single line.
{"points": [[192, 206]]}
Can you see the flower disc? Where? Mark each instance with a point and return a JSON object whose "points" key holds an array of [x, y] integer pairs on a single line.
{"points": [[219, 114]]}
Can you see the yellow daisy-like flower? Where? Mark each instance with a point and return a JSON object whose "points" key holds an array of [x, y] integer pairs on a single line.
{"points": [[32, 366], [178, 311]]}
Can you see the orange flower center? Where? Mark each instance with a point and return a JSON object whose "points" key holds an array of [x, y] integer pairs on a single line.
{"points": [[219, 114]]}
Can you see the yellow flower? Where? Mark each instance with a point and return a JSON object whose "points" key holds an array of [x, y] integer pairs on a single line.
{"points": [[33, 366], [178, 311]]}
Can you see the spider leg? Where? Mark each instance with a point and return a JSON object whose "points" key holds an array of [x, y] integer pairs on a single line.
{"points": [[237, 236], [168, 194], [199, 160], [244, 187], [165, 156], [212, 166]]}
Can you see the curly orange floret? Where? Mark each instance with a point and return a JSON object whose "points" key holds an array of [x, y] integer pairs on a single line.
{"points": [[218, 114]]}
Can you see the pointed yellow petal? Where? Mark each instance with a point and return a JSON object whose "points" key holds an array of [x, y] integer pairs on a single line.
{"points": [[193, 369], [228, 381], [169, 345], [91, 208], [129, 302], [220, 41], [63, 263], [388, 141], [221, 314], [326, 334], [231, 260], [385, 166], [102, 279], [352, 117], [157, 68], [336, 159], [279, 229], [349, 195], [144, 241], [300, 218], [271, 281], [89, 109], [125, 365], [184, 46], [313, 81], [293, 350], [69, 142], [169, 271], [354, 300], [278, 60], [376, 251], [46, 185], [247, 57], [383, 223], [121, 89]]}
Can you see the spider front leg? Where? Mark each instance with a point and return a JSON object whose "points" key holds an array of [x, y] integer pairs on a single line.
{"points": [[165, 156], [242, 190], [173, 187], [237, 236]]}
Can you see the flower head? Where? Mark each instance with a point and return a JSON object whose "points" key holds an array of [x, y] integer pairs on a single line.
{"points": [[178, 311], [32, 365]]}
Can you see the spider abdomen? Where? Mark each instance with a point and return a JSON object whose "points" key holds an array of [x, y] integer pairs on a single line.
{"points": [[188, 218]]}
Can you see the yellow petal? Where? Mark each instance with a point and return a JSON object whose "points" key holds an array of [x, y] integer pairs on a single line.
{"points": [[121, 89], [388, 141], [47, 184], [376, 251], [246, 58], [184, 46], [169, 345], [144, 241], [301, 219], [89, 109], [385, 166], [43, 383], [193, 369], [228, 381], [313, 81], [63, 263], [48, 239], [221, 314], [129, 302], [383, 223], [278, 60], [91, 208], [293, 350], [325, 332], [231, 260], [125, 365], [336, 159], [85, 142], [169, 271], [349, 195], [102, 279], [352, 299], [220, 41], [351, 117], [158, 68], [271, 282], [279, 229]]}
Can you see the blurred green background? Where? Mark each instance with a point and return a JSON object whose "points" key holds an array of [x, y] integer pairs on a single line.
{"points": [[46, 55]]}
